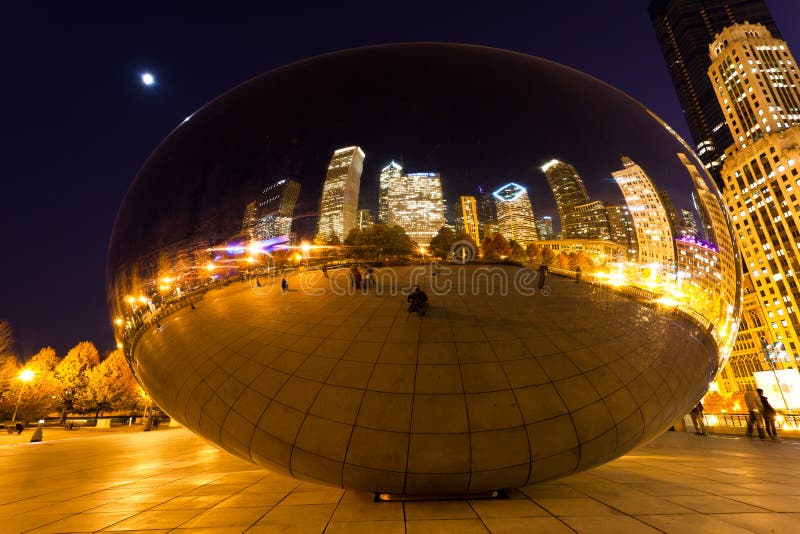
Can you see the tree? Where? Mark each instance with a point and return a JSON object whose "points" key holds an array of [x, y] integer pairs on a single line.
{"points": [[112, 386], [495, 248], [442, 243], [562, 261], [72, 376], [6, 339], [40, 396], [9, 371], [579, 259], [533, 251]]}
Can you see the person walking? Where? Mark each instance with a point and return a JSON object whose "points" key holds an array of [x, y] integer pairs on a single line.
{"points": [[769, 415], [696, 414], [756, 409]]}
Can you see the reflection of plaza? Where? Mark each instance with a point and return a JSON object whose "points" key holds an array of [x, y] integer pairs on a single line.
{"points": [[343, 385]]}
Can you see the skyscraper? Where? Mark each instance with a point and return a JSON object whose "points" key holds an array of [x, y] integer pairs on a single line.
{"points": [[761, 173], [515, 214], [339, 204], [388, 173], [590, 221], [688, 224], [271, 214], [620, 224], [487, 215], [415, 204], [756, 79], [569, 192], [467, 217], [653, 229], [544, 227], [684, 29]]}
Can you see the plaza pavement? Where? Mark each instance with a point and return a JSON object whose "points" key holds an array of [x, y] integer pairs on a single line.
{"points": [[124, 480]]}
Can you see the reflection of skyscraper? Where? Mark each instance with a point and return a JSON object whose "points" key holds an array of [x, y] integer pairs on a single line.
{"points": [[515, 214], [545, 227], [621, 229], [391, 171], [365, 219], [569, 191], [684, 29], [688, 224], [487, 216], [653, 230], [672, 213], [590, 221], [467, 215], [271, 214], [415, 204], [756, 80], [339, 203]]}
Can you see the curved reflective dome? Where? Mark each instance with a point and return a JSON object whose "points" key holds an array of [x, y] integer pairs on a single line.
{"points": [[262, 265]]}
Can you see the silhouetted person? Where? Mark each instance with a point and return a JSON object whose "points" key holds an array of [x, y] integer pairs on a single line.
{"points": [[696, 414], [325, 270], [284, 285], [769, 415], [542, 273], [19, 427], [419, 302], [756, 410], [578, 272]]}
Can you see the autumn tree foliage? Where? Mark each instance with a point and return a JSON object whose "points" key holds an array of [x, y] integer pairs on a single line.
{"points": [[495, 248], [110, 385], [72, 374]]}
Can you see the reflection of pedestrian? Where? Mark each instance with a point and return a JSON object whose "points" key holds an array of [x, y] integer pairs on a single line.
{"points": [[19, 427], [756, 409], [284, 285], [578, 272], [542, 273], [696, 414], [419, 302], [325, 270], [769, 415]]}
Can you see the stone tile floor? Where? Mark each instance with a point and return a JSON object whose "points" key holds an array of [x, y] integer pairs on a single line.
{"points": [[172, 481]]}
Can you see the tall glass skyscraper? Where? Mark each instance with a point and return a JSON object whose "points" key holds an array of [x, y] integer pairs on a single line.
{"points": [[388, 173], [271, 214], [515, 214], [338, 207], [685, 29], [416, 205], [569, 192]]}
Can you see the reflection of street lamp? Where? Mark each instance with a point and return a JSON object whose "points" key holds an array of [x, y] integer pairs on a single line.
{"points": [[26, 376], [774, 352], [306, 248]]}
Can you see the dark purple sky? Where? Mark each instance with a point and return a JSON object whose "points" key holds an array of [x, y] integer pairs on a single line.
{"points": [[78, 124]]}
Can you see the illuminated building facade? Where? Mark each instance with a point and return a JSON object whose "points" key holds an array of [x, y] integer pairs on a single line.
{"points": [[590, 221], [653, 230], [365, 219], [467, 217], [416, 205], [756, 80], [515, 218], [271, 214], [621, 229], [699, 275], [598, 250], [761, 177], [545, 227], [684, 29], [569, 192], [487, 215], [339, 204], [388, 173]]}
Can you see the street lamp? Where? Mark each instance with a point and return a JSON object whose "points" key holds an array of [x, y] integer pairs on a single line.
{"points": [[25, 376], [305, 248], [774, 352]]}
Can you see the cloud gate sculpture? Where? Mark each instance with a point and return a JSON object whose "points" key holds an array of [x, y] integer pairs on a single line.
{"points": [[581, 277]]}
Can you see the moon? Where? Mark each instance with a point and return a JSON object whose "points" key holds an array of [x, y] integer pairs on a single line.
{"points": [[148, 79]]}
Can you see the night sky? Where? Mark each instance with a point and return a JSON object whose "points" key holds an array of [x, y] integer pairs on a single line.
{"points": [[78, 124]]}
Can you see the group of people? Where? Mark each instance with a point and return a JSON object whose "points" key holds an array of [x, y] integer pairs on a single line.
{"points": [[760, 409], [362, 279]]}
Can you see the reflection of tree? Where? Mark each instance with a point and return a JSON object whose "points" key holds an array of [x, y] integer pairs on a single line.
{"points": [[517, 252], [495, 248], [378, 240], [442, 243]]}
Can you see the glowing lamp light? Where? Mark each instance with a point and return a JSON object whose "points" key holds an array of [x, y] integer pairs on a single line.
{"points": [[26, 375], [119, 346], [305, 247], [210, 267], [118, 321], [130, 300], [142, 299], [148, 79], [167, 280]]}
